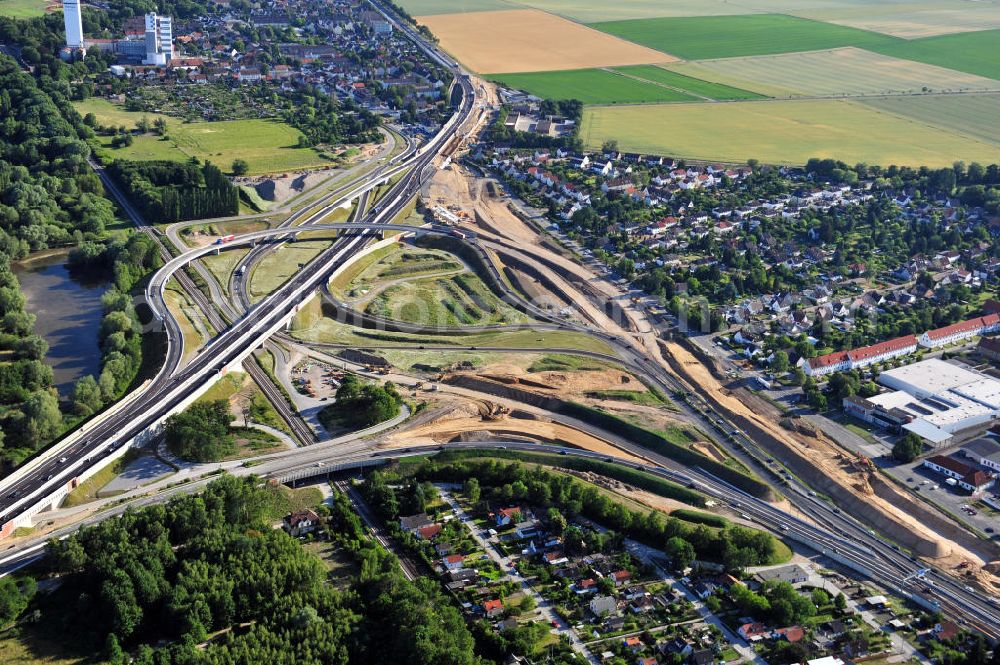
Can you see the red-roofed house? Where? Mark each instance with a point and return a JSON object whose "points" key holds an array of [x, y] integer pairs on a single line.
{"points": [[791, 633], [493, 608], [753, 632], [300, 523], [876, 353], [620, 577], [506, 516], [968, 478], [946, 630], [828, 364], [861, 357], [956, 332], [428, 532], [453, 561], [633, 643]]}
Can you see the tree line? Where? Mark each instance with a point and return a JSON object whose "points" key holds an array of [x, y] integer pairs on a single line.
{"points": [[505, 484], [166, 191]]}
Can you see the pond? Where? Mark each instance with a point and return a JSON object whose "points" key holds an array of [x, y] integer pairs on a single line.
{"points": [[68, 311]]}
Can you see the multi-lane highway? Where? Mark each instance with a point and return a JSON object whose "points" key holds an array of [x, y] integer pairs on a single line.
{"points": [[29, 491]]}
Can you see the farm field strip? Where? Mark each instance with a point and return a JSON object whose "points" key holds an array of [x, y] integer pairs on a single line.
{"points": [[700, 37], [972, 115], [787, 132], [528, 40], [593, 86], [837, 72], [432, 7], [971, 52], [688, 84], [911, 20]]}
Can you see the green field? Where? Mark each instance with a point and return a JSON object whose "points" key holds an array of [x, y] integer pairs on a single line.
{"points": [[278, 267], [309, 324], [592, 11], [972, 52], [22, 8], [458, 300], [268, 146], [839, 72], [688, 84], [592, 86], [699, 37], [785, 132], [971, 115]]}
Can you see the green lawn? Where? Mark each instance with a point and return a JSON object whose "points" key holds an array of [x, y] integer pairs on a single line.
{"points": [[268, 146], [22, 8], [698, 37], [278, 267], [592, 86], [688, 84], [972, 52]]}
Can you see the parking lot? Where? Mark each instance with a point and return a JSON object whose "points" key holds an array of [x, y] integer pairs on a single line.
{"points": [[932, 486]]}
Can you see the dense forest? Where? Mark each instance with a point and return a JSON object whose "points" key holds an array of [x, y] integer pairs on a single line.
{"points": [[49, 197], [201, 432], [152, 585], [166, 191]]}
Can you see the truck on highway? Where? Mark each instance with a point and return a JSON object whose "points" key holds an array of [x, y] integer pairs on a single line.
{"points": [[224, 239]]}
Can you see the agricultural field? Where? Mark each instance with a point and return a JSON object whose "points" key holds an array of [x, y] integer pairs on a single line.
{"points": [[594, 11], [430, 7], [266, 145], [699, 37], [527, 40], [971, 115], [690, 85], [971, 52], [838, 72], [909, 20], [594, 86], [786, 132]]}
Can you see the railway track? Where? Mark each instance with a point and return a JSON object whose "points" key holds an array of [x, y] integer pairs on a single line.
{"points": [[376, 528]]}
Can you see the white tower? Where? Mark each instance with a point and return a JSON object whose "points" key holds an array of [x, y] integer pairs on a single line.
{"points": [[74, 23]]}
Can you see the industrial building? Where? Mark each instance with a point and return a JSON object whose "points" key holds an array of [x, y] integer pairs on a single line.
{"points": [[933, 399]]}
